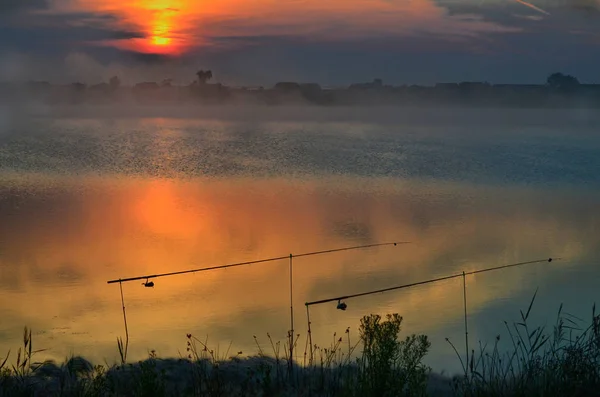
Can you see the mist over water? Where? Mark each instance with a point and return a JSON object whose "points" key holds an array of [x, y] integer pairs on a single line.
{"points": [[113, 194]]}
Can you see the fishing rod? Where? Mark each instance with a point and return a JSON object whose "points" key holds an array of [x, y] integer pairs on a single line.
{"points": [[149, 283], [278, 258], [343, 306], [433, 280]]}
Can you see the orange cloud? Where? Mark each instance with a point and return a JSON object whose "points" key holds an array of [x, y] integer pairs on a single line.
{"points": [[172, 27]]}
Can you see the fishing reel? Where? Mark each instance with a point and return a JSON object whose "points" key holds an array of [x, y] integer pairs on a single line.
{"points": [[148, 284]]}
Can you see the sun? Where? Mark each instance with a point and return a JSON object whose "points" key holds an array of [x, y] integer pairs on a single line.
{"points": [[160, 34], [161, 41]]}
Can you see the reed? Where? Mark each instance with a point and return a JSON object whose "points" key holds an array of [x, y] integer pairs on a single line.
{"points": [[563, 360]]}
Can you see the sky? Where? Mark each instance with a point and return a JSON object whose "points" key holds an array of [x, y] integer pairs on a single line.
{"points": [[332, 42]]}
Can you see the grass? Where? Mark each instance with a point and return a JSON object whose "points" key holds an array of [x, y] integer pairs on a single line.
{"points": [[563, 360], [386, 366], [559, 361]]}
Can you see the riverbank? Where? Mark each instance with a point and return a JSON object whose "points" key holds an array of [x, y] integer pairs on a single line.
{"points": [[562, 360]]}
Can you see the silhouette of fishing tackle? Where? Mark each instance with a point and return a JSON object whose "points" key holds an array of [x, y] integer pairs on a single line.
{"points": [[148, 284], [343, 306], [290, 257]]}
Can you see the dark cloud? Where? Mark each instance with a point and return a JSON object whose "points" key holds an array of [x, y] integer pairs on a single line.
{"points": [[151, 59], [530, 16], [61, 33], [557, 36], [551, 7], [126, 35], [586, 6], [19, 5]]}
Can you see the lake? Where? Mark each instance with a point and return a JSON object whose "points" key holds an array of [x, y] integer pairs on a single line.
{"points": [[84, 200]]}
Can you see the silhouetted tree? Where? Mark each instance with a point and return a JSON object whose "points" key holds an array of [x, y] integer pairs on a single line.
{"points": [[562, 81], [204, 76], [114, 83]]}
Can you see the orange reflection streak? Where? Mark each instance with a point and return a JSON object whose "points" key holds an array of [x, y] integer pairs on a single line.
{"points": [[162, 210], [58, 253]]}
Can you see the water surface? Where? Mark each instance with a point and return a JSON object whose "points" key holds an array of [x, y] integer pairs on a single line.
{"points": [[86, 200]]}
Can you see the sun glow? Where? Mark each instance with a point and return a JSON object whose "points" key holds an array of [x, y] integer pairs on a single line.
{"points": [[160, 41], [163, 210], [161, 30]]}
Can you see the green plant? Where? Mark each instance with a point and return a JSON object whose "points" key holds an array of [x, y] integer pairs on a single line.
{"points": [[389, 367]]}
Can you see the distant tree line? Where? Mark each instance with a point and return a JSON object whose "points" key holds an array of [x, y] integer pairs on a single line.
{"points": [[559, 90]]}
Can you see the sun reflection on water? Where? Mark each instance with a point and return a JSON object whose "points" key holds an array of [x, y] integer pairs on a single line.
{"points": [[66, 242]]}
